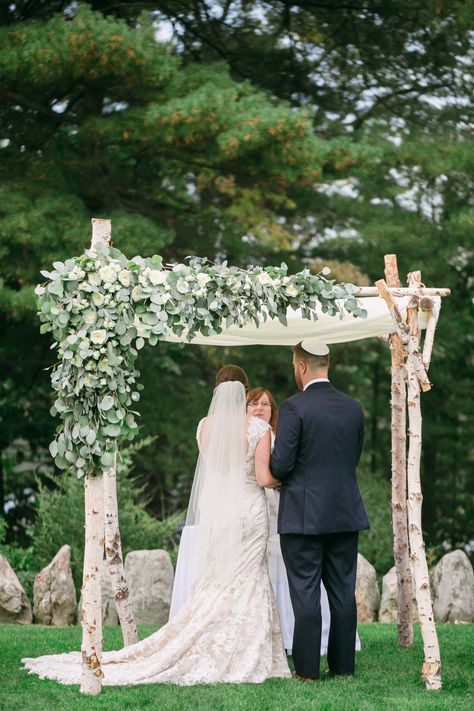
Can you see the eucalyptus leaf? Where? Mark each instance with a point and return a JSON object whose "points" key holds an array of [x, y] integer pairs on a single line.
{"points": [[107, 459], [106, 403], [111, 430]]}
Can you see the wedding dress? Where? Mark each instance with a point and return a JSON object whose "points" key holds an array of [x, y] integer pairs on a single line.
{"points": [[228, 629], [185, 576], [186, 573]]}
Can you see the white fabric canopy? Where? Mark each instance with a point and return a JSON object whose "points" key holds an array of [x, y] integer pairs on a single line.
{"points": [[330, 329]]}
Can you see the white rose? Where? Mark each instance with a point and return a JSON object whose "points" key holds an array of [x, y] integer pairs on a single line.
{"points": [[94, 279], [137, 293], [104, 364], [203, 278], [99, 336], [39, 291], [124, 277], [89, 317], [157, 276], [182, 286], [264, 278], [87, 381], [98, 298], [76, 273], [106, 273], [291, 290]]}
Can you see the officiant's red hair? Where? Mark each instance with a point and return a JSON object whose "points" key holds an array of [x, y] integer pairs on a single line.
{"points": [[255, 394]]}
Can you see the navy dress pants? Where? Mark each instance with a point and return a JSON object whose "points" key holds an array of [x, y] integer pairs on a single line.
{"points": [[332, 558]]}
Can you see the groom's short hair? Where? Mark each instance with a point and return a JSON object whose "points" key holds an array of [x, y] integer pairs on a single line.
{"points": [[314, 362]]}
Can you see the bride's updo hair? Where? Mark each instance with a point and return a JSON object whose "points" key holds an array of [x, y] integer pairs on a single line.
{"points": [[231, 373]]}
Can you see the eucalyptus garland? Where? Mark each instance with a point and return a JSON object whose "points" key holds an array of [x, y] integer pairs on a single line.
{"points": [[101, 309]]}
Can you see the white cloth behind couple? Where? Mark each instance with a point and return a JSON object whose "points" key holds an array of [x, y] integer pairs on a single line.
{"points": [[186, 571]]}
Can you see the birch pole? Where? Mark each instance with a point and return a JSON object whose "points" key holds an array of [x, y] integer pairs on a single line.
{"points": [[431, 669], [399, 476], [429, 333], [91, 648], [113, 551], [102, 233]]}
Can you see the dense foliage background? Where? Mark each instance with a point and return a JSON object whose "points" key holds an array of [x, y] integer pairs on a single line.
{"points": [[310, 132]]}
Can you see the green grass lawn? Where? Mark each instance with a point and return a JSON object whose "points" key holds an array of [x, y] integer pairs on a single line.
{"points": [[386, 678]]}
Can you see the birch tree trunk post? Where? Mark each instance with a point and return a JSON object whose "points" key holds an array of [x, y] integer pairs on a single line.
{"points": [[399, 476], [431, 669], [91, 648], [102, 233], [430, 331], [113, 551]]}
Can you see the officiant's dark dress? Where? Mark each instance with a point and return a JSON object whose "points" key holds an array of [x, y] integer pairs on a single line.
{"points": [[318, 445]]}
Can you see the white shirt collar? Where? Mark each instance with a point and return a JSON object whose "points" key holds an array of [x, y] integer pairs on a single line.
{"points": [[316, 380]]}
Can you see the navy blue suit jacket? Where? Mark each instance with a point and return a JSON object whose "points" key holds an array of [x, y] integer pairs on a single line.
{"points": [[318, 444]]}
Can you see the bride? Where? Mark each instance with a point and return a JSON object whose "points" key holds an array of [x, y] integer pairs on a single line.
{"points": [[228, 629]]}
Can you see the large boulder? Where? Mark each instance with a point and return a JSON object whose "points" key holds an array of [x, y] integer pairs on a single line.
{"points": [[109, 611], [389, 601], [149, 575], [453, 588], [14, 604], [54, 593], [367, 591]]}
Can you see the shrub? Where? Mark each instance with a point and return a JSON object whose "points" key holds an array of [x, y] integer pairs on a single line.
{"points": [[60, 518], [376, 544], [22, 560]]}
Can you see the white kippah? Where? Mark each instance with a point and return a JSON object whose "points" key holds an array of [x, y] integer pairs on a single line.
{"points": [[315, 347]]}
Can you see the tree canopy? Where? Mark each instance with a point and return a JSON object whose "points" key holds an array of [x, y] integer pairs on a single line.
{"points": [[304, 132]]}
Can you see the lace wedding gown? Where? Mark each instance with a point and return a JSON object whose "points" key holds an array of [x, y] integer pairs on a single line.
{"points": [[227, 631]]}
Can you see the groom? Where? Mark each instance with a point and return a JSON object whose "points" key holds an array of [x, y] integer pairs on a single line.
{"points": [[317, 449]]}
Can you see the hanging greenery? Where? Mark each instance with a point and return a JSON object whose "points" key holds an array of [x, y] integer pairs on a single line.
{"points": [[102, 307]]}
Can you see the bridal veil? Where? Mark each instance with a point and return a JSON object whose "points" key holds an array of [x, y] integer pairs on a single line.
{"points": [[216, 505]]}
